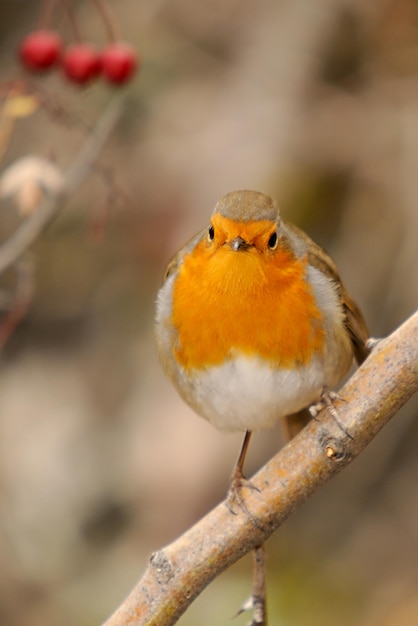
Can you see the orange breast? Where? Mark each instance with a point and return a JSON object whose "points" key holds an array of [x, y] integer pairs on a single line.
{"points": [[227, 302]]}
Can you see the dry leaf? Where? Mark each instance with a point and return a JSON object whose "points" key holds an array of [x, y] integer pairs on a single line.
{"points": [[28, 180], [20, 106]]}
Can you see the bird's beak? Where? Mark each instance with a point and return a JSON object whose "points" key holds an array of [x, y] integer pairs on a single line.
{"points": [[238, 243]]}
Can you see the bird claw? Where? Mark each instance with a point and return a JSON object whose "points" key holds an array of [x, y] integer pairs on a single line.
{"points": [[327, 402], [238, 482]]}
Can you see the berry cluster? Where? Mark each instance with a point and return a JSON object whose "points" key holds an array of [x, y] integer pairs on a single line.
{"points": [[81, 62]]}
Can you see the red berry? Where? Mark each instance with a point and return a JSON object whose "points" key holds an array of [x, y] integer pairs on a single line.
{"points": [[81, 63], [119, 62], [40, 50]]}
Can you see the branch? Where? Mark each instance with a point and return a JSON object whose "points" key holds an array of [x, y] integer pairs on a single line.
{"points": [[177, 573], [20, 303], [12, 249]]}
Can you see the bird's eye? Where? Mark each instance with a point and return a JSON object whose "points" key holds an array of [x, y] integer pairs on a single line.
{"points": [[211, 233], [272, 242]]}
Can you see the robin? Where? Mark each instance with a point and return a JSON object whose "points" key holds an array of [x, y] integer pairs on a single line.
{"points": [[254, 324]]}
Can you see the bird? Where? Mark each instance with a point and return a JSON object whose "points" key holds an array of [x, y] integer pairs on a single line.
{"points": [[253, 322], [254, 325]]}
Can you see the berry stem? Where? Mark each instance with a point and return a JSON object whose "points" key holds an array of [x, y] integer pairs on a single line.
{"points": [[72, 20], [47, 11], [107, 19]]}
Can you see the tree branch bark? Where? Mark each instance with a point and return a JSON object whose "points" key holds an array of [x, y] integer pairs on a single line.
{"points": [[177, 573]]}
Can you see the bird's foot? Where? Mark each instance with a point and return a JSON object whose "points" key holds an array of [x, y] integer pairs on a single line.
{"points": [[327, 402], [235, 495]]}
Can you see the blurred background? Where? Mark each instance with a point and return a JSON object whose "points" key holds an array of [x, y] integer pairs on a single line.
{"points": [[315, 103]]}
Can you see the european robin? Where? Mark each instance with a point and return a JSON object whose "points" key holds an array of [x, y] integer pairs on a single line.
{"points": [[253, 322]]}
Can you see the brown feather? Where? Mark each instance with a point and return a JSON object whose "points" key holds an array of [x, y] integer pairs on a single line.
{"points": [[354, 321]]}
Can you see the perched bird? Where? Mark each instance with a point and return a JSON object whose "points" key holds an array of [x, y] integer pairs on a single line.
{"points": [[253, 323]]}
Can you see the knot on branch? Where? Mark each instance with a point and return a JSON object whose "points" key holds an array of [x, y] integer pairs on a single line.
{"points": [[335, 449], [163, 569]]}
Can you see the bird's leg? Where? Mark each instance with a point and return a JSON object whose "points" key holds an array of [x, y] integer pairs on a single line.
{"points": [[237, 477], [328, 397], [238, 480]]}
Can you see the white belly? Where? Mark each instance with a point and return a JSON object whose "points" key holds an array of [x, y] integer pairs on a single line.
{"points": [[244, 394]]}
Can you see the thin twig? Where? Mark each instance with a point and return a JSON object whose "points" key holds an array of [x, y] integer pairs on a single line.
{"points": [[107, 19], [12, 249], [20, 305], [259, 586], [177, 573], [46, 14], [69, 11]]}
